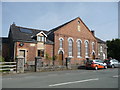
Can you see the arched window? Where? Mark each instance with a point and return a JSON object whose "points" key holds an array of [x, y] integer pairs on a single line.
{"points": [[86, 48], [70, 47], [93, 46], [79, 48], [101, 49], [61, 43]]}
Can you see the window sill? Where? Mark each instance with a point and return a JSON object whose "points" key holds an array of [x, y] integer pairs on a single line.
{"points": [[60, 48], [86, 56], [70, 56], [79, 57]]}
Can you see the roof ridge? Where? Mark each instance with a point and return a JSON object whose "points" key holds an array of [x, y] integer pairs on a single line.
{"points": [[100, 39]]}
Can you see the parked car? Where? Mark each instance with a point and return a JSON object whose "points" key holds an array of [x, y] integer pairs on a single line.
{"points": [[96, 64], [112, 63]]}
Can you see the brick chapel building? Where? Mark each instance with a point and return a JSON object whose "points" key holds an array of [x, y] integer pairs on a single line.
{"points": [[72, 39]]}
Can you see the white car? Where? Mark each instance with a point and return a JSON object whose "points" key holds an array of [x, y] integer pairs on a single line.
{"points": [[112, 63]]}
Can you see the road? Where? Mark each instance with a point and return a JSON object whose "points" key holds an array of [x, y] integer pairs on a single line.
{"points": [[104, 78]]}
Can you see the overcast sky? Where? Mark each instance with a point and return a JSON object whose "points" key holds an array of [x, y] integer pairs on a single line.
{"points": [[99, 16]]}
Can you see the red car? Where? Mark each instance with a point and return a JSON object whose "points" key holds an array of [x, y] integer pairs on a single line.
{"points": [[96, 64]]}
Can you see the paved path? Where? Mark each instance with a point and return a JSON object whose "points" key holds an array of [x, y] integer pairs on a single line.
{"points": [[105, 78]]}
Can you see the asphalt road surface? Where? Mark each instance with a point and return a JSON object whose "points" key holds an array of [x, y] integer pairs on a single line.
{"points": [[104, 78]]}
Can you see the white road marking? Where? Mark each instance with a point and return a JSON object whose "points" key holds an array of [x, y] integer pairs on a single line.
{"points": [[73, 82], [116, 76]]}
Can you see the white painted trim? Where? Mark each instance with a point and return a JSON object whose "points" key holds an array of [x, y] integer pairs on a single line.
{"points": [[93, 43], [42, 33], [93, 51], [86, 41], [61, 50], [101, 48], [87, 57], [79, 57], [70, 38], [25, 53], [79, 40], [61, 38], [70, 56]]}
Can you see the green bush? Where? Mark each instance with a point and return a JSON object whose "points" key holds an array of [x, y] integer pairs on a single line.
{"points": [[1, 59]]}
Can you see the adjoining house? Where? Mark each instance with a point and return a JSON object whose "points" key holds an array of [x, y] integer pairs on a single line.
{"points": [[102, 49], [72, 39]]}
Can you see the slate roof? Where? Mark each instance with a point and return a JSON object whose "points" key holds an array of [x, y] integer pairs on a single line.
{"points": [[100, 41], [18, 35]]}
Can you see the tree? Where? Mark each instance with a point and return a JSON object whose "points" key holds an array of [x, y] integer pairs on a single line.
{"points": [[114, 48], [2, 59]]}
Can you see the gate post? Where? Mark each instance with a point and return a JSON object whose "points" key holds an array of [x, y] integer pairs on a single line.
{"points": [[68, 63], [20, 64], [38, 63]]}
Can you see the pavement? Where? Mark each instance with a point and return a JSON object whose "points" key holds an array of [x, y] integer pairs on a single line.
{"points": [[104, 78]]}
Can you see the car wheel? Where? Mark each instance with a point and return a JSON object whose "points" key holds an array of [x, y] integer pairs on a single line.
{"points": [[96, 68], [113, 66], [105, 67]]}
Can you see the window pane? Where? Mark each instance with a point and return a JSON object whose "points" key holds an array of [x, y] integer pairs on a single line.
{"points": [[70, 47], [101, 49], [42, 39], [61, 43], [86, 48], [79, 47], [93, 46], [38, 52], [38, 38], [41, 53]]}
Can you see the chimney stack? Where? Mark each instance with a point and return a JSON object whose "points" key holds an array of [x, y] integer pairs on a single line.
{"points": [[13, 24], [93, 32]]}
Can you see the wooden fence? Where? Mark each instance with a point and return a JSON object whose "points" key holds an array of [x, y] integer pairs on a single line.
{"points": [[8, 66]]}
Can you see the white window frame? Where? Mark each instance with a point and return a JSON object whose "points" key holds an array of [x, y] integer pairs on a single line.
{"points": [[86, 48], [101, 48], [79, 52], [61, 43], [93, 47], [38, 38], [70, 47], [42, 38]]}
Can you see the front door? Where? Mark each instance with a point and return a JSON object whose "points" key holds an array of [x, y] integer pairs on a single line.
{"points": [[22, 53], [61, 58], [93, 55]]}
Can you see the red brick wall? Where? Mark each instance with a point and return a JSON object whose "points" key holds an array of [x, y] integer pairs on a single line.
{"points": [[49, 49], [70, 30], [30, 50]]}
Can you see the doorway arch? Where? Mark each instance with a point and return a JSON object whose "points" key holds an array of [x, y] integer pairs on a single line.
{"points": [[93, 55]]}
